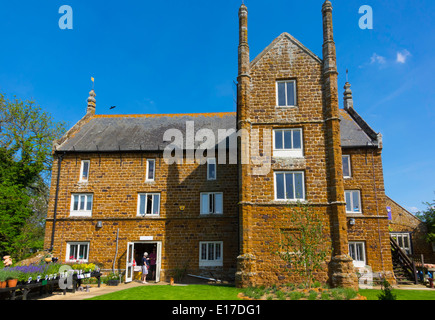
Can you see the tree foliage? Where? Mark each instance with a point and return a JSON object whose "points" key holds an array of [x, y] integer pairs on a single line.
{"points": [[26, 136], [428, 217], [303, 243]]}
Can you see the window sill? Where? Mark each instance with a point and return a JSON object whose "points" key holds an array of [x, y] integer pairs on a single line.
{"points": [[354, 214], [81, 214], [211, 264], [286, 107]]}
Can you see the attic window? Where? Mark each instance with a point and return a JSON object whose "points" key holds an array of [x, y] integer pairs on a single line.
{"points": [[84, 171], [286, 93]]}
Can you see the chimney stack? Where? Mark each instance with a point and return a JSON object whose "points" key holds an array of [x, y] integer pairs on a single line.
{"points": [[91, 102], [348, 100]]}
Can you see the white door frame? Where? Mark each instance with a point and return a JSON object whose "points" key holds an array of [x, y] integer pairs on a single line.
{"points": [[129, 265], [129, 270]]}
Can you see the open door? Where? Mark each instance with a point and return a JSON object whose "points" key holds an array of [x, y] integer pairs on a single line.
{"points": [[129, 269], [159, 261]]}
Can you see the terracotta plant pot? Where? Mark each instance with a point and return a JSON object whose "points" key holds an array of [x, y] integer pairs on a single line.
{"points": [[3, 284], [12, 283]]}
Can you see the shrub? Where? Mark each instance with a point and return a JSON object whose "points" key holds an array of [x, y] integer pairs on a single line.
{"points": [[386, 292]]}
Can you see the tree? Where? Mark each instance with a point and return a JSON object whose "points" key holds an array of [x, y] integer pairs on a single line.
{"points": [[303, 243], [428, 217], [26, 135]]}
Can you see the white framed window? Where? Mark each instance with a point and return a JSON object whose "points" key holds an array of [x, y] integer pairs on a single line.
{"points": [[210, 254], [84, 170], [81, 205], [286, 93], [353, 201], [148, 204], [404, 241], [347, 169], [151, 170], [357, 253], [77, 252], [288, 143], [211, 169], [289, 186], [212, 203]]}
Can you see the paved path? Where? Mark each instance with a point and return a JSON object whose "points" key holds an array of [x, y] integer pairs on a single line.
{"points": [[95, 291]]}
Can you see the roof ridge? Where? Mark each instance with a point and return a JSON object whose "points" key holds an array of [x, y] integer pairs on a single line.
{"points": [[172, 115]]}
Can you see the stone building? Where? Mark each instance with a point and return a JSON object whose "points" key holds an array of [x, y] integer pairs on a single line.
{"points": [[114, 194], [409, 232]]}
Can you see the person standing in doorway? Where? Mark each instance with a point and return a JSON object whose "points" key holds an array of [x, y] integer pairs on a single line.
{"points": [[153, 260], [145, 267]]}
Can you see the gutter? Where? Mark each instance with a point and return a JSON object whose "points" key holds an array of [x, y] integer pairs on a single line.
{"points": [[59, 165]]}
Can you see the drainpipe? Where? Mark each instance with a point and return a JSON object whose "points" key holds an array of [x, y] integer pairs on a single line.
{"points": [[59, 165]]}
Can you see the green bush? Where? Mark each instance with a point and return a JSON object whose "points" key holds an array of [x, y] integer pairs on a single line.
{"points": [[386, 292]]}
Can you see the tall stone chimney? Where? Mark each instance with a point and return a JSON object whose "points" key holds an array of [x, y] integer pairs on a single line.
{"points": [[348, 99], [341, 266], [245, 275], [91, 103]]}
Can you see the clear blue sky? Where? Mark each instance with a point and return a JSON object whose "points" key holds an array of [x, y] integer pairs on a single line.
{"points": [[181, 56]]}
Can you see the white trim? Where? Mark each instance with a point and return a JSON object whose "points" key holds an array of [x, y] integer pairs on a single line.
{"points": [[139, 214], [213, 162], [68, 251], [214, 204], [292, 152], [349, 164], [294, 186], [351, 199], [286, 98], [84, 212], [81, 170], [403, 235], [153, 161], [214, 262]]}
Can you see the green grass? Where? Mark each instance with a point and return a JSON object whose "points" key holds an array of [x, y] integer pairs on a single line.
{"points": [[401, 294], [191, 292], [222, 292]]}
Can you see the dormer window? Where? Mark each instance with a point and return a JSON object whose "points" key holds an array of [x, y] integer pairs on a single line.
{"points": [[286, 93]]}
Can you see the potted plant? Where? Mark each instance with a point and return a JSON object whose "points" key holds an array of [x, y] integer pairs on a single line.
{"points": [[113, 279], [12, 278], [3, 277]]}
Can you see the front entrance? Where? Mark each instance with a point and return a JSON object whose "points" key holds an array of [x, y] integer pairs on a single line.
{"points": [[135, 253]]}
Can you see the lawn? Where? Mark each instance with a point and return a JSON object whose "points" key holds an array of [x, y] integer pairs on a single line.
{"points": [[401, 294], [223, 292], [191, 292]]}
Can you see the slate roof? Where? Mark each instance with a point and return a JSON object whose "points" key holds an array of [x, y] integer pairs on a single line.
{"points": [[145, 132]]}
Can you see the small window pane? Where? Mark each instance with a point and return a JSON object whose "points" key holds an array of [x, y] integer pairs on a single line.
{"points": [[89, 203], [218, 251], [280, 186], [291, 101], [299, 188], [297, 139], [288, 139], [142, 204], [356, 204], [151, 167], [149, 204], [346, 166], [82, 202], [279, 140], [210, 251], [348, 202], [204, 205], [76, 203], [156, 204], [73, 252], [203, 251], [289, 186], [281, 94], [218, 203], [85, 172]]}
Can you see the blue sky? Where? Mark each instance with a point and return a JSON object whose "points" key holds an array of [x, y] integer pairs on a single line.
{"points": [[181, 57]]}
